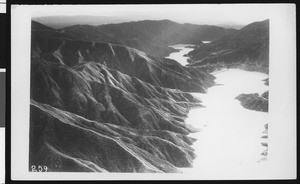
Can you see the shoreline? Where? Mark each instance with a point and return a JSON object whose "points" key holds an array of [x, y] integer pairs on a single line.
{"points": [[204, 124]]}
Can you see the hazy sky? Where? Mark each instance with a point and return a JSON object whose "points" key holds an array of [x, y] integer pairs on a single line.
{"points": [[184, 13]]}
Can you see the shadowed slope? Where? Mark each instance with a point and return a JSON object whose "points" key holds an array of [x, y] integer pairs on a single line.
{"points": [[249, 45]]}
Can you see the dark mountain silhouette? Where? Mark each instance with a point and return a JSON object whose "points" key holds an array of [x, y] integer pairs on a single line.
{"points": [[58, 22], [149, 36], [103, 107], [36, 26], [248, 45]]}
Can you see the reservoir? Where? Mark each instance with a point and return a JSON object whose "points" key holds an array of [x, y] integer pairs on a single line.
{"points": [[229, 142], [179, 56]]}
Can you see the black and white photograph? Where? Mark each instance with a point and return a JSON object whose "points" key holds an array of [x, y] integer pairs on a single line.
{"points": [[139, 89]]}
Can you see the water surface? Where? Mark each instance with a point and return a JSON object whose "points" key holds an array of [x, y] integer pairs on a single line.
{"points": [[179, 56], [230, 136], [229, 142]]}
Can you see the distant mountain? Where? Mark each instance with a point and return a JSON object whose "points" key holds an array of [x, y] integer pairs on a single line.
{"points": [[103, 107], [248, 45], [36, 26], [58, 22], [149, 36], [230, 26]]}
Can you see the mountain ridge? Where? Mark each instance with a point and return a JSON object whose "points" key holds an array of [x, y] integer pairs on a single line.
{"points": [[150, 36], [58, 22], [248, 45]]}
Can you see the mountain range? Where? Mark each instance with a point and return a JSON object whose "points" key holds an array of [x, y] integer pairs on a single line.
{"points": [[58, 22], [149, 36], [104, 98]]}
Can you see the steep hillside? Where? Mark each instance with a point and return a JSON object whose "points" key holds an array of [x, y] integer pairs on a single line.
{"points": [[102, 107], [149, 36], [248, 45], [91, 118]]}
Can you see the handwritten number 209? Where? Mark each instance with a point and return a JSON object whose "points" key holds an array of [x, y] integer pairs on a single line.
{"points": [[39, 168]]}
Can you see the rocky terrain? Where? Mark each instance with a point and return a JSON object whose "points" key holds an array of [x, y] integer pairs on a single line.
{"points": [[103, 107], [247, 48]]}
